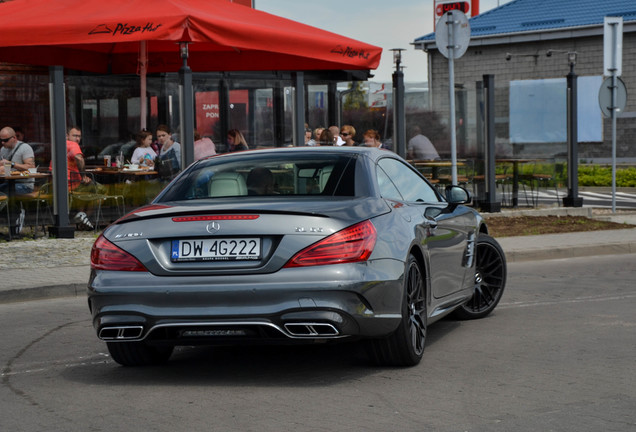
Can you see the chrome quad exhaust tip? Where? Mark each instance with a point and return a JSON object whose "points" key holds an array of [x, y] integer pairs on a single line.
{"points": [[120, 333], [311, 329]]}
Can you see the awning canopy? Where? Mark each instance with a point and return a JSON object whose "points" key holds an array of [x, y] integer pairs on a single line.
{"points": [[104, 37]]}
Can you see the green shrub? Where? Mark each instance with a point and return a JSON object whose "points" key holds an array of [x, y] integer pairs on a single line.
{"points": [[596, 175]]}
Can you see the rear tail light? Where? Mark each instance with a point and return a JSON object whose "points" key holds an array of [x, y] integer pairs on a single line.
{"points": [[107, 256], [352, 244]]}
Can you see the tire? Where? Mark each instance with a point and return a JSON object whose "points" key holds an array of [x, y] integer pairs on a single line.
{"points": [[405, 346], [138, 353], [490, 280]]}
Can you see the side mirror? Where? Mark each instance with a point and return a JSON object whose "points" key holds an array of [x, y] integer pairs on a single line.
{"points": [[457, 195]]}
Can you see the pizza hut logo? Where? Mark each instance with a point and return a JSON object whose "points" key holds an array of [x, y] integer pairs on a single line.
{"points": [[123, 29], [350, 52]]}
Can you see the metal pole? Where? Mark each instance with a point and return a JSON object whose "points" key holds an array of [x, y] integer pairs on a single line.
{"points": [[572, 199], [451, 96], [143, 68], [613, 111], [490, 204], [186, 106], [399, 126], [62, 228], [299, 109]]}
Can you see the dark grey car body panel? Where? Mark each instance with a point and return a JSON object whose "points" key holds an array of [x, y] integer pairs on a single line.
{"points": [[362, 299]]}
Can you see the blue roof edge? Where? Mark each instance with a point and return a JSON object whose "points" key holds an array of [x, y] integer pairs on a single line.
{"points": [[516, 17]]}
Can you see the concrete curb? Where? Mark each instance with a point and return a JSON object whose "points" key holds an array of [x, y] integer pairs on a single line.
{"points": [[42, 293], [568, 252], [560, 211]]}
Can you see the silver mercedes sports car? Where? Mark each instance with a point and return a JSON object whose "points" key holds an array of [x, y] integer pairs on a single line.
{"points": [[293, 245]]}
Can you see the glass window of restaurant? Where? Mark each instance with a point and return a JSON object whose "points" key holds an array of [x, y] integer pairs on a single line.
{"points": [[108, 110], [530, 136]]}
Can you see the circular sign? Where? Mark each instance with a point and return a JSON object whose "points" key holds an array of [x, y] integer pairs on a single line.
{"points": [[452, 34], [605, 96]]}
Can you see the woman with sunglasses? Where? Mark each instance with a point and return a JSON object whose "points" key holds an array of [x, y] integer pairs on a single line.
{"points": [[347, 132]]}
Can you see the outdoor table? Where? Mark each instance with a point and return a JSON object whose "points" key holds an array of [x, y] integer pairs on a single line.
{"points": [[11, 180], [515, 175], [122, 171], [435, 165], [138, 178]]}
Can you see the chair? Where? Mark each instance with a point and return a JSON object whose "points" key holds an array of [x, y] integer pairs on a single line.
{"points": [[227, 184], [502, 181], [4, 205], [543, 173], [117, 198], [42, 195], [547, 174], [96, 194]]}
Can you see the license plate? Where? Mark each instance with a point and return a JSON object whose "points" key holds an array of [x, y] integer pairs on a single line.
{"points": [[217, 249]]}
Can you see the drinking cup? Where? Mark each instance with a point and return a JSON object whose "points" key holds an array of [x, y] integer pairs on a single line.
{"points": [[7, 168], [107, 160]]}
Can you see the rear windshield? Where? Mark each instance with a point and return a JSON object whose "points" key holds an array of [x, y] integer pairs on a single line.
{"points": [[267, 174]]}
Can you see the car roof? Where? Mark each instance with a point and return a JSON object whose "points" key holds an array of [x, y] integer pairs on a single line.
{"points": [[370, 152]]}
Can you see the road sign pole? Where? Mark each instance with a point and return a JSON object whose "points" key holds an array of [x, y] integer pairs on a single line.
{"points": [[614, 104], [613, 108], [451, 94], [452, 42], [612, 66]]}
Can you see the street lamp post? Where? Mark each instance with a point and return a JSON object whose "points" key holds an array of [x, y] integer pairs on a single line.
{"points": [[399, 123]]}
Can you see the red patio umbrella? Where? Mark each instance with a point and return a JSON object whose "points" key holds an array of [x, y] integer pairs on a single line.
{"points": [[109, 37], [104, 37]]}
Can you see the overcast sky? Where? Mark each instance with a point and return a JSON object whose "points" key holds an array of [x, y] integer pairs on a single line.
{"points": [[387, 24]]}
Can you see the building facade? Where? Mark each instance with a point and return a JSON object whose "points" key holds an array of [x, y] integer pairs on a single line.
{"points": [[525, 48]]}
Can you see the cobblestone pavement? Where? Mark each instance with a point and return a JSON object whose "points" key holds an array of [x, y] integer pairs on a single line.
{"points": [[44, 253], [35, 254]]}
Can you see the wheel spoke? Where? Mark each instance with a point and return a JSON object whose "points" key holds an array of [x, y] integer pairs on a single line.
{"points": [[418, 333], [416, 309]]}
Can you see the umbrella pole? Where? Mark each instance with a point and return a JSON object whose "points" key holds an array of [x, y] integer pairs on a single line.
{"points": [[143, 67], [186, 107]]}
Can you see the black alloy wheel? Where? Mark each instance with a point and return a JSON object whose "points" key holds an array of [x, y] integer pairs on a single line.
{"points": [[405, 346], [490, 279]]}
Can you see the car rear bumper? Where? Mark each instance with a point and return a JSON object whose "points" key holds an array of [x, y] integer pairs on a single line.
{"points": [[330, 302]]}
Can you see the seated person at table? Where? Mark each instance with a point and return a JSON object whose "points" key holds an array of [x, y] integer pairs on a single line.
{"points": [[78, 182], [260, 181], [420, 147], [144, 155], [236, 141], [203, 146], [20, 155], [169, 155], [372, 139]]}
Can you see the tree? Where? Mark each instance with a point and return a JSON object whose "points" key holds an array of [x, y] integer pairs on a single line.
{"points": [[356, 97]]}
